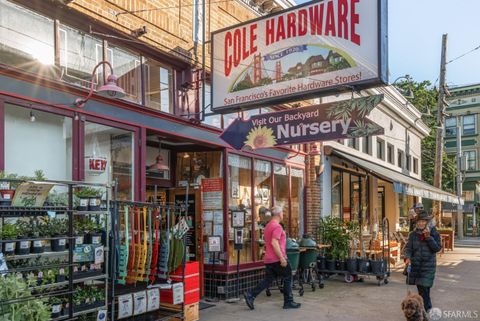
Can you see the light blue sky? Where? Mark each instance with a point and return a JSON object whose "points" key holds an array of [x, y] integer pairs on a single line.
{"points": [[415, 37]]}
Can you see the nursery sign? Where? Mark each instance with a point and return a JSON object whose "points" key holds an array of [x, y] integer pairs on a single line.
{"points": [[31, 194], [318, 47], [336, 120]]}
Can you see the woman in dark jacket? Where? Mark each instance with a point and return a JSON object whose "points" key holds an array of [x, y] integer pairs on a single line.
{"points": [[421, 253]]}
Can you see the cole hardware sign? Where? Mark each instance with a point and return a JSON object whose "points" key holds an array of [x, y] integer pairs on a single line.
{"points": [[336, 120], [314, 49]]}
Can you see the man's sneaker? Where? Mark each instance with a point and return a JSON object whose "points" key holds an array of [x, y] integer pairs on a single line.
{"points": [[291, 305], [249, 300]]}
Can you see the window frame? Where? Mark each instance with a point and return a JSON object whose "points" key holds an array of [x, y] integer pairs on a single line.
{"points": [[472, 116], [400, 158], [469, 160], [415, 165], [390, 153], [381, 150]]}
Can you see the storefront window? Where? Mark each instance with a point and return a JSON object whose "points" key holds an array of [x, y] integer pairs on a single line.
{"points": [[336, 193], [79, 54], [42, 144], [347, 210], [126, 66], [158, 82], [280, 194], [263, 202], [194, 166], [113, 148], [296, 220], [240, 198], [26, 39]]}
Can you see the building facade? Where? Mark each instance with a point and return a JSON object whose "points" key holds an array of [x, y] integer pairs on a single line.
{"points": [[463, 109], [52, 53], [371, 178]]}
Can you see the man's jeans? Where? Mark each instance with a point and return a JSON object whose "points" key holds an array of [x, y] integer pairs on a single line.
{"points": [[272, 272]]}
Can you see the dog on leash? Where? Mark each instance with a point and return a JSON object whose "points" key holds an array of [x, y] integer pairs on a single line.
{"points": [[413, 308]]}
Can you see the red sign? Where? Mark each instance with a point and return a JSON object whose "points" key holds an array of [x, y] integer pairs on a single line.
{"points": [[97, 164], [212, 185]]}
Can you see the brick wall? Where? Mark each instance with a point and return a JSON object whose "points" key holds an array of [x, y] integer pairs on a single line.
{"points": [[170, 28]]}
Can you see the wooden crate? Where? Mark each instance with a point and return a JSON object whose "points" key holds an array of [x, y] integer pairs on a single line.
{"points": [[191, 311]]}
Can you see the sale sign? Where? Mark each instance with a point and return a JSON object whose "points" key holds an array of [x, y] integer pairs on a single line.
{"points": [[337, 120], [315, 48]]}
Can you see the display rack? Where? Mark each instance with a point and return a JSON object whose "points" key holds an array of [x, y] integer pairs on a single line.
{"points": [[78, 273], [127, 277]]}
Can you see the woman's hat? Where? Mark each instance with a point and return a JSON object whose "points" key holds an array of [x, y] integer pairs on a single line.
{"points": [[423, 215]]}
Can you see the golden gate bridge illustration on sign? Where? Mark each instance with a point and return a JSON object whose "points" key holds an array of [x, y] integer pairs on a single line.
{"points": [[291, 63]]}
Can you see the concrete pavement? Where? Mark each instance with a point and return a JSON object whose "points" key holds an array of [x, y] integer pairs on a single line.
{"points": [[456, 293]]}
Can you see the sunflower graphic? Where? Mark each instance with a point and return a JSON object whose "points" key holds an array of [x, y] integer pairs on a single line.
{"points": [[260, 137]]}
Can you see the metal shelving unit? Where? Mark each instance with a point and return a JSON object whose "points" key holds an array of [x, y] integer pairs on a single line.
{"points": [[70, 284]]}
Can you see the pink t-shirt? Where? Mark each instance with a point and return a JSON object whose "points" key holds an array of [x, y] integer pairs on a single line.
{"points": [[274, 230]]}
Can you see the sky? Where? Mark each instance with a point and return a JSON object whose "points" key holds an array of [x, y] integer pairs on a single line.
{"points": [[415, 39]]}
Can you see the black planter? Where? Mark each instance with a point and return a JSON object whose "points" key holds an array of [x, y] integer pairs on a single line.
{"points": [[59, 245], [83, 205], [377, 266], [94, 238], [321, 262], [352, 265], [363, 265], [8, 248], [56, 310], [79, 240], [94, 203], [22, 247], [60, 278], [38, 246], [330, 264], [340, 265]]}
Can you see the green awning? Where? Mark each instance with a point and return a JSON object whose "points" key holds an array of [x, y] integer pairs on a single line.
{"points": [[401, 183]]}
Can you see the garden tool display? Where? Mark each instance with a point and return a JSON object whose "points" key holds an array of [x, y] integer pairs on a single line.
{"points": [[122, 248], [142, 245], [149, 238], [156, 244]]}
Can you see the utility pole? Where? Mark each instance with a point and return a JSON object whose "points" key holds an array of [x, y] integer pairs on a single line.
{"points": [[437, 176], [460, 167]]}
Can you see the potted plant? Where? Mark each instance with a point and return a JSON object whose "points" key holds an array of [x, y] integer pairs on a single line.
{"points": [[56, 304], [58, 228], [9, 232], [353, 230], [95, 232], [89, 199], [7, 190], [24, 231], [39, 231], [12, 288], [79, 229]]}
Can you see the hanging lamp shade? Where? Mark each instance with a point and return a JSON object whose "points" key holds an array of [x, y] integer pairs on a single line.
{"points": [[160, 165]]}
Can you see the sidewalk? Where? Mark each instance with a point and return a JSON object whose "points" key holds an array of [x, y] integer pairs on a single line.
{"points": [[456, 291]]}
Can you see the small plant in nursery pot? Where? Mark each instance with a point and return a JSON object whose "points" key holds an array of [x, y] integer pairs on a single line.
{"points": [[80, 232], [95, 232], [89, 199], [24, 231], [56, 304], [9, 232], [39, 231], [57, 228], [7, 189]]}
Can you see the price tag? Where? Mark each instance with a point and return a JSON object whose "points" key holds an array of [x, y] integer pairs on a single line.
{"points": [[24, 244], [214, 244], [9, 247], [38, 243], [62, 242], [99, 257], [102, 315]]}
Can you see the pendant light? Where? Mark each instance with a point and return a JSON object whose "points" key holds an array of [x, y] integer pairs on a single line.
{"points": [[159, 165]]}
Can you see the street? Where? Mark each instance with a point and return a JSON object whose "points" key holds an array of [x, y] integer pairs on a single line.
{"points": [[456, 292]]}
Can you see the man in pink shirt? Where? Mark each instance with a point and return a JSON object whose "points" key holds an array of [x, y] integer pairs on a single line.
{"points": [[276, 264]]}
